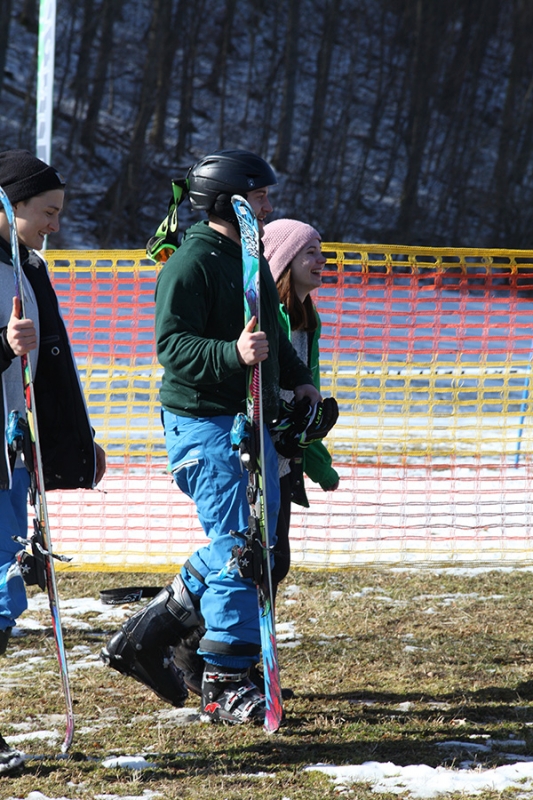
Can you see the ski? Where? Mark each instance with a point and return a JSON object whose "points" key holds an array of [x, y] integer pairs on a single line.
{"points": [[41, 540], [256, 480]]}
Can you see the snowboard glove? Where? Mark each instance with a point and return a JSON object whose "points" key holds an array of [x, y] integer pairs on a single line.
{"points": [[301, 423], [325, 416]]}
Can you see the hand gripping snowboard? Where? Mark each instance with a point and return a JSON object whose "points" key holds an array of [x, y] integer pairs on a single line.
{"points": [[255, 464], [41, 524]]}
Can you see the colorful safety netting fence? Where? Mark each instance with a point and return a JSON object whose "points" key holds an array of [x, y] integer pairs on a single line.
{"points": [[428, 351]]}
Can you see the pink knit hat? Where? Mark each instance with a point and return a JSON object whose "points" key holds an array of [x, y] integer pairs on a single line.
{"points": [[283, 239]]}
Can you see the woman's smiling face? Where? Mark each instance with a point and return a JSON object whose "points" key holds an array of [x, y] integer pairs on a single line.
{"points": [[38, 217], [306, 268]]}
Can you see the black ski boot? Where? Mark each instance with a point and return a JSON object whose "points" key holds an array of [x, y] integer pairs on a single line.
{"points": [[4, 638], [230, 696], [142, 648], [191, 664], [11, 761]]}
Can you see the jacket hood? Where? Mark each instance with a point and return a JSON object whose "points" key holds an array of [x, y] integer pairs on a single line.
{"points": [[203, 232]]}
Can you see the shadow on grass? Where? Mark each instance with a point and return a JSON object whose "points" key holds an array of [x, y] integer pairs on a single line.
{"points": [[291, 752], [503, 696]]}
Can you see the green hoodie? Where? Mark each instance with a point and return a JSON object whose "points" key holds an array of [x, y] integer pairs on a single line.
{"points": [[199, 315], [316, 458]]}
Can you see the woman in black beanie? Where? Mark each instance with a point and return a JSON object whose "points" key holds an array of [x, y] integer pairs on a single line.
{"points": [[71, 459]]}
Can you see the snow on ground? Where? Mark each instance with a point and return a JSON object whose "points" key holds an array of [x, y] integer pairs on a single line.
{"points": [[414, 781], [417, 781], [421, 781]]}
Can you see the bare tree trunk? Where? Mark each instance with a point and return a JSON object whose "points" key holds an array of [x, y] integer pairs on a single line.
{"points": [[164, 67], [342, 205], [110, 11], [280, 159], [331, 20], [81, 81], [5, 20], [427, 29], [221, 65], [221, 55], [29, 16], [125, 196], [453, 151], [263, 60], [252, 39], [192, 22], [512, 119], [68, 43]]}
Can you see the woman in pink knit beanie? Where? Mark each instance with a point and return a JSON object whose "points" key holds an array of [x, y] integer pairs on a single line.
{"points": [[293, 250]]}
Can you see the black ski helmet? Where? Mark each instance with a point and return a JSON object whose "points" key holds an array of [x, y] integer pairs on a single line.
{"points": [[216, 177]]}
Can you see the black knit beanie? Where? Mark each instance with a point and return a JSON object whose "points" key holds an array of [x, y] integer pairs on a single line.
{"points": [[23, 176]]}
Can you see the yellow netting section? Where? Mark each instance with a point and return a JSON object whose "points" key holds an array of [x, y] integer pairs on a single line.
{"points": [[428, 351]]}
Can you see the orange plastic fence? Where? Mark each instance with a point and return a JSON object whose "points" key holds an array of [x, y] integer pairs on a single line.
{"points": [[428, 352]]}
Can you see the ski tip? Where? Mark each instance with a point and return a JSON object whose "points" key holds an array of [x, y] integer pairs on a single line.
{"points": [[272, 724], [274, 716], [68, 740]]}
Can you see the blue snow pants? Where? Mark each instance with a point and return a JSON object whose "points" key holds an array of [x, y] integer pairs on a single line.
{"points": [[206, 469], [13, 522]]}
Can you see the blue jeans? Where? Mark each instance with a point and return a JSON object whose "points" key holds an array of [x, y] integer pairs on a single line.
{"points": [[13, 522], [206, 469]]}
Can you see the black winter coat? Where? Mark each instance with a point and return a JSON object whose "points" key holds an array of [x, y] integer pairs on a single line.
{"points": [[66, 437]]}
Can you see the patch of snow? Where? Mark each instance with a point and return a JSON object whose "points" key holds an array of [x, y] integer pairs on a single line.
{"points": [[128, 762], [38, 796], [148, 794], [179, 716], [292, 590], [285, 630], [406, 706], [42, 736], [421, 781]]}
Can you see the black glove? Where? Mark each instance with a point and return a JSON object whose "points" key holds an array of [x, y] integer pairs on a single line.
{"points": [[293, 417], [302, 423], [325, 416], [292, 421]]}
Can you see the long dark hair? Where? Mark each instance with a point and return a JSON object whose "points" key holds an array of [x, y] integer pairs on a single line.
{"points": [[302, 316]]}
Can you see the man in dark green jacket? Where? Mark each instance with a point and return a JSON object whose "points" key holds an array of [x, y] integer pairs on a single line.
{"points": [[205, 353]]}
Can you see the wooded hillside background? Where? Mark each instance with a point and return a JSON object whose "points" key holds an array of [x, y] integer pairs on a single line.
{"points": [[406, 121]]}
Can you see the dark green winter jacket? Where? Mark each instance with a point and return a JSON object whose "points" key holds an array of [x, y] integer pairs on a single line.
{"points": [[199, 316]]}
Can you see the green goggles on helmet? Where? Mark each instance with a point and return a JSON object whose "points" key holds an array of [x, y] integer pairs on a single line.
{"points": [[164, 242]]}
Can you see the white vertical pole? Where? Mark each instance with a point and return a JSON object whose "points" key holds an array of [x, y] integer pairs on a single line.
{"points": [[45, 78]]}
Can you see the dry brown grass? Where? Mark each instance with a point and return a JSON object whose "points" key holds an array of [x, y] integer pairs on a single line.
{"points": [[383, 673]]}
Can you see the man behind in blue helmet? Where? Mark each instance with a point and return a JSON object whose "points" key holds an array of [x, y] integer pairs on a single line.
{"points": [[205, 353]]}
